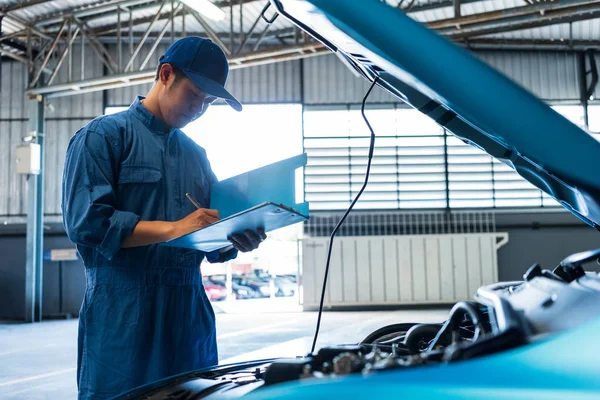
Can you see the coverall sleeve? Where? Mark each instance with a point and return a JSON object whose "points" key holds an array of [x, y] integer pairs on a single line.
{"points": [[89, 200]]}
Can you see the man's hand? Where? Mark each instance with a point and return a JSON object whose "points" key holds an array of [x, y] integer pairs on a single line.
{"points": [[150, 232], [200, 218], [248, 240]]}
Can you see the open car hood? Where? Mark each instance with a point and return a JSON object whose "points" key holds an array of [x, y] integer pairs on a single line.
{"points": [[461, 93]]}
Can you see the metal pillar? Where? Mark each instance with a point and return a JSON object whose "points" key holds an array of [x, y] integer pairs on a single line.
{"points": [[583, 87], [35, 220], [587, 88]]}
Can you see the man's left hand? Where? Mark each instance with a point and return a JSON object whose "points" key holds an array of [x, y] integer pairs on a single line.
{"points": [[248, 240]]}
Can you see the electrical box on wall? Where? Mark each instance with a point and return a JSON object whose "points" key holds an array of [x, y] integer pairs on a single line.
{"points": [[29, 159]]}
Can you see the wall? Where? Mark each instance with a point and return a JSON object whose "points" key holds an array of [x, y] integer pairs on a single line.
{"points": [[543, 238], [13, 126], [63, 117], [318, 80], [12, 278], [271, 83], [552, 76]]}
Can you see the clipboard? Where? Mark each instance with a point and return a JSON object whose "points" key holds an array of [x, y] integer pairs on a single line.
{"points": [[261, 198]]}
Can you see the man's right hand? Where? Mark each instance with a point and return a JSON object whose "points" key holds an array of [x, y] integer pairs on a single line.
{"points": [[199, 219], [151, 232]]}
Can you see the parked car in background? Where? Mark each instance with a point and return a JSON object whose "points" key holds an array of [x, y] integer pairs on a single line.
{"points": [[251, 286], [285, 287], [240, 291], [291, 277], [214, 291], [259, 286]]}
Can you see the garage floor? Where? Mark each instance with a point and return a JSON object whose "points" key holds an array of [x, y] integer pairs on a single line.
{"points": [[38, 360]]}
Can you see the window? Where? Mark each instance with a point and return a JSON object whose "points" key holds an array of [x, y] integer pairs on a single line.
{"points": [[257, 136], [239, 142], [408, 161], [594, 120], [415, 164], [114, 109]]}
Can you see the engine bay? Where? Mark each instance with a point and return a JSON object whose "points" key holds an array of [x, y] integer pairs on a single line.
{"points": [[502, 317]]}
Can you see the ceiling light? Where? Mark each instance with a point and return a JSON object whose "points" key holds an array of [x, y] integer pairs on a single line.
{"points": [[206, 8]]}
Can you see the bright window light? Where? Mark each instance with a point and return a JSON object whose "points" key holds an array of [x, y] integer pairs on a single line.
{"points": [[239, 142], [258, 136], [205, 8], [594, 120], [114, 110], [573, 113]]}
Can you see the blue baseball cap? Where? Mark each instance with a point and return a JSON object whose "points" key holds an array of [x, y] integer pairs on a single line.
{"points": [[204, 63]]}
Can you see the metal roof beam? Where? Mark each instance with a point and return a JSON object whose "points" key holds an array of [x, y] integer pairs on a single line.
{"points": [[22, 4], [285, 53], [511, 22], [541, 9], [88, 10], [285, 33], [108, 8], [530, 44], [436, 6]]}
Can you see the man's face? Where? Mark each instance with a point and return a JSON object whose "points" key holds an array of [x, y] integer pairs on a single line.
{"points": [[180, 100]]}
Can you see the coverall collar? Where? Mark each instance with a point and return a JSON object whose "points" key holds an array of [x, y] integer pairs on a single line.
{"points": [[153, 123]]}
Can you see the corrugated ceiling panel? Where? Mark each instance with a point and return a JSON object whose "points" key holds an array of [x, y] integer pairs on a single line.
{"points": [[490, 5], [5, 173], [587, 30], [250, 12], [49, 8], [12, 91], [556, 32], [271, 83], [125, 95], [13, 186], [549, 75], [432, 15], [597, 91], [327, 81], [13, 127], [79, 106], [58, 134]]}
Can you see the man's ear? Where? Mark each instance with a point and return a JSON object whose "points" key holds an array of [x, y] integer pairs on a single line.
{"points": [[166, 72]]}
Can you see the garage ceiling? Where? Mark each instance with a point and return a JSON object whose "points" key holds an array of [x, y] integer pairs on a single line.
{"points": [[43, 33]]}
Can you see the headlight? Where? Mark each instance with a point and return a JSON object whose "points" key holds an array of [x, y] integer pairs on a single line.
{"points": [[243, 292]]}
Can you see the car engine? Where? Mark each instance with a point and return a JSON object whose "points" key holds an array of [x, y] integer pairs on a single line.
{"points": [[502, 317]]}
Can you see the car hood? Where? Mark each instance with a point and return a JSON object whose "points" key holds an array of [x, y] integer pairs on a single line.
{"points": [[461, 93]]}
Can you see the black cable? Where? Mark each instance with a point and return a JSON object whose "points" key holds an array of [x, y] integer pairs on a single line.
{"points": [[371, 147], [459, 310]]}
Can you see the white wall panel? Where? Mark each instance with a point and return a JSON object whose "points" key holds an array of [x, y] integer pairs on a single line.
{"points": [[413, 269]]}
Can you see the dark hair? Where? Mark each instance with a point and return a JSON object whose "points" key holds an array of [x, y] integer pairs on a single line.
{"points": [[178, 73]]}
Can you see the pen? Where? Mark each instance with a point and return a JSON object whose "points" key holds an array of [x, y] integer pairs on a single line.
{"points": [[193, 200]]}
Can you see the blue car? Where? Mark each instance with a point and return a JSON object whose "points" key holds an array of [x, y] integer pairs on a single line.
{"points": [[531, 339]]}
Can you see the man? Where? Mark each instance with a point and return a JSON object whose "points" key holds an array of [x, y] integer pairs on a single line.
{"points": [[145, 315]]}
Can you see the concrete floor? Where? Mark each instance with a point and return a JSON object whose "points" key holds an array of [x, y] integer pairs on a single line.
{"points": [[38, 360]]}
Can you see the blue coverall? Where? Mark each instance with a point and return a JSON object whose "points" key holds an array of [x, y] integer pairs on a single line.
{"points": [[145, 315]]}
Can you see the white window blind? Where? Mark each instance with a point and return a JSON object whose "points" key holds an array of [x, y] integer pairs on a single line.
{"points": [[408, 161], [415, 164]]}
